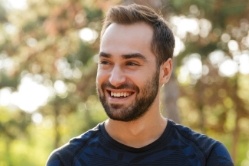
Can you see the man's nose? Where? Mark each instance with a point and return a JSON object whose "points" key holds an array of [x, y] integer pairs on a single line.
{"points": [[117, 76]]}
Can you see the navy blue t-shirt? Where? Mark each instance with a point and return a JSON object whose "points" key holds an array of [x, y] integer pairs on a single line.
{"points": [[177, 146]]}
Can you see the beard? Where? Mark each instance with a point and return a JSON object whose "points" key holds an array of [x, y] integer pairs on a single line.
{"points": [[144, 99]]}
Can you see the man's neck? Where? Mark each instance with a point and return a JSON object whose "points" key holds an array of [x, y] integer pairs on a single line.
{"points": [[138, 133]]}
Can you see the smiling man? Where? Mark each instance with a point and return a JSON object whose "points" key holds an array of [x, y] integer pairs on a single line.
{"points": [[127, 77], [135, 60]]}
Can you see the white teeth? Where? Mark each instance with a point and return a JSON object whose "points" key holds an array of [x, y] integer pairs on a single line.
{"points": [[120, 94]]}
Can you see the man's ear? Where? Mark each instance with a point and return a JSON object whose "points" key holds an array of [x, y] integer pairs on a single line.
{"points": [[165, 71]]}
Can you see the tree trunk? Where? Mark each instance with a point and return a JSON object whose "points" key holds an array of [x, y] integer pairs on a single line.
{"points": [[236, 133], [200, 104], [56, 127], [170, 97]]}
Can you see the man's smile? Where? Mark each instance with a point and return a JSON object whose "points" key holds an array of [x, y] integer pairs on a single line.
{"points": [[120, 94]]}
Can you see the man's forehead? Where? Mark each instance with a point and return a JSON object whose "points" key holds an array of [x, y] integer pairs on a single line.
{"points": [[129, 40], [119, 34], [122, 30]]}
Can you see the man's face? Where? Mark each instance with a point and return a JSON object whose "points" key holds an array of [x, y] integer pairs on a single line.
{"points": [[127, 77]]}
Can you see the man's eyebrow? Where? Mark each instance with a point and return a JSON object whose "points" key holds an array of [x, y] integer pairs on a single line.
{"points": [[134, 55], [105, 55], [125, 56]]}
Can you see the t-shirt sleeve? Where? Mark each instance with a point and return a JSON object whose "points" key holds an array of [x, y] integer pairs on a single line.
{"points": [[219, 156]]}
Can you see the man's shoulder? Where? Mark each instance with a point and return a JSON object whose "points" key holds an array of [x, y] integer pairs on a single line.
{"points": [[192, 137], [66, 153], [211, 149]]}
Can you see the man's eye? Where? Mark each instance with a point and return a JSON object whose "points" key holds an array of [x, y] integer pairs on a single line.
{"points": [[132, 64], [104, 62]]}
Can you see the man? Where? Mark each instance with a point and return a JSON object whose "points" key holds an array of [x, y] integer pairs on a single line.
{"points": [[135, 60]]}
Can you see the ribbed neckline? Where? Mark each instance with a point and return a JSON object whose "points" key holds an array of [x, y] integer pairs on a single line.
{"points": [[108, 141]]}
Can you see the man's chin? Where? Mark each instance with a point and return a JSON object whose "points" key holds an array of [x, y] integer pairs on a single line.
{"points": [[116, 106], [121, 119], [118, 114]]}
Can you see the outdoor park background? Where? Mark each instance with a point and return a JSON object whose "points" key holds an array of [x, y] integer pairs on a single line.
{"points": [[48, 64]]}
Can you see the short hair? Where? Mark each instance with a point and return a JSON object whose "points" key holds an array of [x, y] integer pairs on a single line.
{"points": [[163, 41]]}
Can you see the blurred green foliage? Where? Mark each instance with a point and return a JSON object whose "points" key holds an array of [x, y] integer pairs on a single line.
{"points": [[45, 41]]}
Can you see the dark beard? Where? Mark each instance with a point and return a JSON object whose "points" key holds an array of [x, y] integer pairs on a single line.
{"points": [[139, 107]]}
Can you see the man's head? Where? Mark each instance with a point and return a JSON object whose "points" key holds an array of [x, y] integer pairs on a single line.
{"points": [[134, 60], [163, 41]]}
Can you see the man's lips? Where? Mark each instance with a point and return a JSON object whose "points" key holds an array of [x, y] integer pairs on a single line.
{"points": [[122, 92], [119, 93]]}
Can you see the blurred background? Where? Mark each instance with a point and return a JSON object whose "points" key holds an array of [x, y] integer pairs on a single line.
{"points": [[48, 65]]}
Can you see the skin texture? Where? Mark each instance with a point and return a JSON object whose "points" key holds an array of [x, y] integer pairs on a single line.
{"points": [[128, 83]]}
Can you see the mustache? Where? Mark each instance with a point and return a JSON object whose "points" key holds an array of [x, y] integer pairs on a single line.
{"points": [[122, 86]]}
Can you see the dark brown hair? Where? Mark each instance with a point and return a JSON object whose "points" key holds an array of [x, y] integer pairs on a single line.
{"points": [[163, 41]]}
